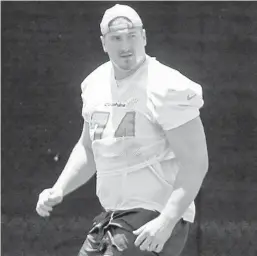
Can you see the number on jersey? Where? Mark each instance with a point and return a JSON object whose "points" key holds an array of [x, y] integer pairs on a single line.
{"points": [[125, 128], [99, 125]]}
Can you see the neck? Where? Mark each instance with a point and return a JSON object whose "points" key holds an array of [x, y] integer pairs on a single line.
{"points": [[121, 73]]}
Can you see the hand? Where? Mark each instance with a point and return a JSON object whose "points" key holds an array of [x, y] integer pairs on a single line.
{"points": [[154, 234], [47, 199]]}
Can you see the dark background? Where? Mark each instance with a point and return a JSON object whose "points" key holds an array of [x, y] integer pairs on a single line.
{"points": [[48, 48]]}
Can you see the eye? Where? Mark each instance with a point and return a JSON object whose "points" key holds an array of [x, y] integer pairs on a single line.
{"points": [[116, 38], [133, 35]]}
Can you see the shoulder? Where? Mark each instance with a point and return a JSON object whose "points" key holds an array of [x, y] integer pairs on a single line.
{"points": [[96, 77], [168, 84], [173, 98], [165, 79], [90, 87]]}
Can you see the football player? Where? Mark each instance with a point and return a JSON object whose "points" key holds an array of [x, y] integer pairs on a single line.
{"points": [[144, 139]]}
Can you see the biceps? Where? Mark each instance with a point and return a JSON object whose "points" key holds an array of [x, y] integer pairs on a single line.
{"points": [[188, 141]]}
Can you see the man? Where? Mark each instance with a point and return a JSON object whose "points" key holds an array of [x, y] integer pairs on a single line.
{"points": [[144, 139]]}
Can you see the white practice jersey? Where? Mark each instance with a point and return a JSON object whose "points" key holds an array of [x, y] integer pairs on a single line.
{"points": [[136, 166]]}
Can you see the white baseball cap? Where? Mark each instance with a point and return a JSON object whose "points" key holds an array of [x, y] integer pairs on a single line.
{"points": [[116, 11]]}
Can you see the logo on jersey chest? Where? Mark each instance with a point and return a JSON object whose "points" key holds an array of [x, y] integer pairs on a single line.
{"points": [[116, 104], [128, 104]]}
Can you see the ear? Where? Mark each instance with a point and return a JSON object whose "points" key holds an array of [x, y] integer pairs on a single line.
{"points": [[144, 37], [103, 43]]}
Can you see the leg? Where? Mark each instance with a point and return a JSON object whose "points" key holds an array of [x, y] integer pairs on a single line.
{"points": [[94, 243], [112, 235], [122, 242]]}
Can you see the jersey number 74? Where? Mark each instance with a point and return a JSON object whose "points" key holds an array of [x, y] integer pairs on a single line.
{"points": [[125, 128]]}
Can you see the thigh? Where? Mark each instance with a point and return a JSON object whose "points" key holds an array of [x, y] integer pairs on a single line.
{"points": [[123, 242], [115, 237], [116, 242], [94, 243], [112, 234]]}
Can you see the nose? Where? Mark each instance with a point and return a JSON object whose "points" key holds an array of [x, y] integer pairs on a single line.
{"points": [[125, 45]]}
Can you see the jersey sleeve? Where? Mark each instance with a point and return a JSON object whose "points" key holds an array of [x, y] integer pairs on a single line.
{"points": [[176, 102]]}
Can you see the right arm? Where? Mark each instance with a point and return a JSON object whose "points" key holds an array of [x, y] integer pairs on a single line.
{"points": [[80, 167], [78, 170]]}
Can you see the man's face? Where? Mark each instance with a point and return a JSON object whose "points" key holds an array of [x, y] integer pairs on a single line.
{"points": [[125, 47]]}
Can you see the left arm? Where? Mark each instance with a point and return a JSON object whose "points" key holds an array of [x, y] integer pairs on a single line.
{"points": [[175, 106], [188, 143], [189, 146]]}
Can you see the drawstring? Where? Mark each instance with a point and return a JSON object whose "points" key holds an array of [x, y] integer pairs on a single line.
{"points": [[160, 176]]}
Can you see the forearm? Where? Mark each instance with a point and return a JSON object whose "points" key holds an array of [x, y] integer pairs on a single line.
{"points": [[79, 169], [187, 185]]}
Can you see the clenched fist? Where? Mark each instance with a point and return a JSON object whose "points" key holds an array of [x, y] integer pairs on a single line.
{"points": [[47, 199]]}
